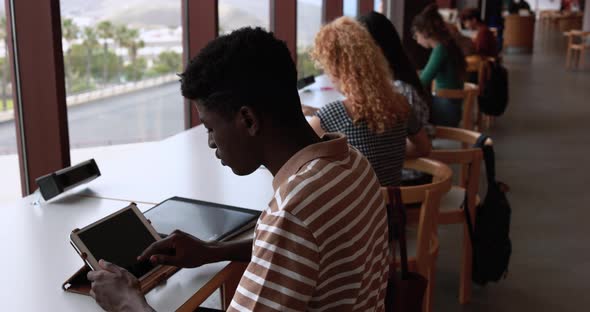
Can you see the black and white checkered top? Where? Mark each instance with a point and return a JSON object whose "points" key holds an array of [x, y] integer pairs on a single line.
{"points": [[385, 151]]}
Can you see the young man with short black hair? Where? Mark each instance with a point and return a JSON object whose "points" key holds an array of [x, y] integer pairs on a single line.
{"points": [[321, 244]]}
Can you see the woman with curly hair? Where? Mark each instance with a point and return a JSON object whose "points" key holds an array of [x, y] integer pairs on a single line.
{"points": [[374, 116], [446, 65]]}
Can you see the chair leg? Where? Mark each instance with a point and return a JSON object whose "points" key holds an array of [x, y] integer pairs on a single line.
{"points": [[428, 305], [466, 268], [479, 121], [568, 56], [581, 60], [574, 59], [487, 121]]}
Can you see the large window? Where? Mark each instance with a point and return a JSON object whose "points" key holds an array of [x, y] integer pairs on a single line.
{"points": [[234, 14], [378, 6], [7, 129], [351, 8], [309, 21], [121, 60], [9, 168]]}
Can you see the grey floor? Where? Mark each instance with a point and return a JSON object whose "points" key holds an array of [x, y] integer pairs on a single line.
{"points": [[541, 153]]}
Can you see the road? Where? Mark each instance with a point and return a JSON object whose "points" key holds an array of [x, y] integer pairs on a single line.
{"points": [[146, 115]]}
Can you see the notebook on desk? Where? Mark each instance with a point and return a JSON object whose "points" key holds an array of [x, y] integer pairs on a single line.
{"points": [[204, 220]]}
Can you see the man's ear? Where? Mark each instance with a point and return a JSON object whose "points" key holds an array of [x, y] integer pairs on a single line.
{"points": [[249, 119]]}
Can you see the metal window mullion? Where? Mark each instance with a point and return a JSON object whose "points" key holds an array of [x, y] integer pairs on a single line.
{"points": [[18, 104]]}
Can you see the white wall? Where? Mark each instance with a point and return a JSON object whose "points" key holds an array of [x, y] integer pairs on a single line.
{"points": [[545, 4]]}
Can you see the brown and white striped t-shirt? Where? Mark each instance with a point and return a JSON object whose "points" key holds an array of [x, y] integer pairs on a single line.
{"points": [[321, 245]]}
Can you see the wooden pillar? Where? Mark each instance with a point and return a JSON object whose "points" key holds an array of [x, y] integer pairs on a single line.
{"points": [[332, 9], [402, 13], [199, 26], [283, 22], [39, 94], [586, 26], [446, 3], [365, 6], [395, 12]]}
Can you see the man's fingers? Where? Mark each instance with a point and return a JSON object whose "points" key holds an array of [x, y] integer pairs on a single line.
{"points": [[92, 294], [95, 275], [109, 266], [163, 260], [163, 246]]}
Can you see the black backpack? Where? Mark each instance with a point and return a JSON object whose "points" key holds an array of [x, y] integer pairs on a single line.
{"points": [[494, 98], [490, 239]]}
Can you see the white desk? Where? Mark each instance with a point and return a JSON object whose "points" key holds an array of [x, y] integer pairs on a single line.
{"points": [[314, 96], [182, 165], [37, 258]]}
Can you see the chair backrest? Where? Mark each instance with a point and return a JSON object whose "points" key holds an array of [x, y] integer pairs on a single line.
{"points": [[577, 37], [468, 157], [468, 95], [429, 196], [473, 63], [480, 65]]}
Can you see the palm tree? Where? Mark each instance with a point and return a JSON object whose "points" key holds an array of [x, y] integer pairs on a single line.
{"points": [[120, 36], [69, 31], [131, 41], [4, 37], [105, 31], [90, 42]]}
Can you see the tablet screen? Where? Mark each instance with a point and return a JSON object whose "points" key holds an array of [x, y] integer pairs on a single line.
{"points": [[120, 240], [206, 221]]}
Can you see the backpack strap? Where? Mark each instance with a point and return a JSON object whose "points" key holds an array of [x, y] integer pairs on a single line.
{"points": [[470, 227], [480, 142], [391, 219], [488, 157], [396, 212]]}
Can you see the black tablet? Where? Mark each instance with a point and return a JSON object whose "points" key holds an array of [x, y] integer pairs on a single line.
{"points": [[118, 238], [204, 220]]}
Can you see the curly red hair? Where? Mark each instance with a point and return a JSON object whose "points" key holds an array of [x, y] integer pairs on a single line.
{"points": [[348, 54]]}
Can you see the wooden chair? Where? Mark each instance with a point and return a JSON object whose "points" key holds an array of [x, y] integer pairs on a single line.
{"points": [[451, 207], [468, 95], [422, 241], [225, 280], [477, 64], [577, 43]]}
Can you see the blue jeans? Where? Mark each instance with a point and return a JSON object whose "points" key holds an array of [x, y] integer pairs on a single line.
{"points": [[446, 112]]}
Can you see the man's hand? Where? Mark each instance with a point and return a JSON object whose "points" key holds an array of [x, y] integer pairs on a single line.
{"points": [[181, 250], [115, 289]]}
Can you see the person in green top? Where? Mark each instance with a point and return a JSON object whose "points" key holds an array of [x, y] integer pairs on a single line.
{"points": [[446, 65]]}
